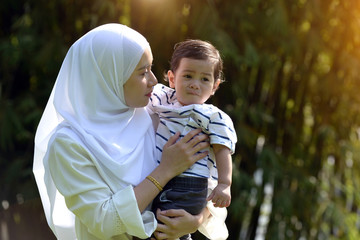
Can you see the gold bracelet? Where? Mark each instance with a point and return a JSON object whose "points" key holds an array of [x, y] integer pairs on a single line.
{"points": [[155, 182]]}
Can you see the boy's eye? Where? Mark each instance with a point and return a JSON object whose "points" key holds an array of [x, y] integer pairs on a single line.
{"points": [[187, 76], [205, 79]]}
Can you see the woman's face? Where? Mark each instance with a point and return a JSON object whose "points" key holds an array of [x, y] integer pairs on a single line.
{"points": [[138, 88]]}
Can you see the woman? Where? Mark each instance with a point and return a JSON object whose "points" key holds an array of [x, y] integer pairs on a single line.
{"points": [[94, 146]]}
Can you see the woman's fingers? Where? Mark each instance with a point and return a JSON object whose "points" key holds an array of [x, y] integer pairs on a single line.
{"points": [[197, 143], [200, 146], [171, 213], [175, 223], [190, 135], [179, 154], [193, 140], [172, 139], [160, 235], [196, 157], [165, 226]]}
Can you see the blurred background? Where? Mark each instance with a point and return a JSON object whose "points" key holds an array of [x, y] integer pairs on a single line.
{"points": [[292, 75]]}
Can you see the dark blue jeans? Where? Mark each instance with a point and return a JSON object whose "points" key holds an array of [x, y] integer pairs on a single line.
{"points": [[188, 193]]}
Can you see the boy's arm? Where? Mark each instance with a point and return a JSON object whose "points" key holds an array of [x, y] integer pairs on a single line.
{"points": [[221, 196], [223, 164]]}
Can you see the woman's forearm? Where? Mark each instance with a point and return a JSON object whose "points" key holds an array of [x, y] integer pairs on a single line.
{"points": [[146, 191]]}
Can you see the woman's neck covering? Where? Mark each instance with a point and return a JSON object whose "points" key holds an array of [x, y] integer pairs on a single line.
{"points": [[88, 98]]}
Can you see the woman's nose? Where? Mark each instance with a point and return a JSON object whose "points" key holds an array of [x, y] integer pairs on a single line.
{"points": [[152, 79]]}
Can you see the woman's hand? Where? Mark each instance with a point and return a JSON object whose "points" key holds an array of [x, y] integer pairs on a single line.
{"points": [[179, 156], [177, 223]]}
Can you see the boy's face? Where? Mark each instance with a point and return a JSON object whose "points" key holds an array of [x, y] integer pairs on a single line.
{"points": [[193, 81]]}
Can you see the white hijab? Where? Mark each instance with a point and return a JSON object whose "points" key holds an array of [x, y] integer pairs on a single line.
{"points": [[88, 97]]}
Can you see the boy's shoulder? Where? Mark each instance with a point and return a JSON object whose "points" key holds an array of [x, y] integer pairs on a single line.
{"points": [[162, 89], [212, 111], [162, 95]]}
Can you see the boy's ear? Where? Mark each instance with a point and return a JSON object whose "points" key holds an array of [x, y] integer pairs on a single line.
{"points": [[216, 86], [171, 78]]}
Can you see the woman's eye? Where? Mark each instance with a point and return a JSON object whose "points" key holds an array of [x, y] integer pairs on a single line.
{"points": [[146, 70]]}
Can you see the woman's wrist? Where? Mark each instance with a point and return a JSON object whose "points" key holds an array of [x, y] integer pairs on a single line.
{"points": [[155, 182], [161, 175]]}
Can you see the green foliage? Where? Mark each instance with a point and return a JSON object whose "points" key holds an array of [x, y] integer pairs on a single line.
{"points": [[291, 70]]}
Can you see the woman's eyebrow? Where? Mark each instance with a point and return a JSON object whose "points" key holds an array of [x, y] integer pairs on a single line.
{"points": [[144, 67]]}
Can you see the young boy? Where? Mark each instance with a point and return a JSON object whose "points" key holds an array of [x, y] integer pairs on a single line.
{"points": [[194, 76]]}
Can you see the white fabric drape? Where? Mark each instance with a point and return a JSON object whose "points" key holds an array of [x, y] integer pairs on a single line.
{"points": [[88, 98]]}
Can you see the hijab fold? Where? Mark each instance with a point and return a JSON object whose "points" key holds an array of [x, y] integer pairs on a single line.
{"points": [[88, 98]]}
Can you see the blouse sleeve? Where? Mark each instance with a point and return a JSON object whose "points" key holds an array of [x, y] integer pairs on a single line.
{"points": [[105, 213]]}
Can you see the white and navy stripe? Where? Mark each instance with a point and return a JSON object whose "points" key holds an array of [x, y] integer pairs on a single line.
{"points": [[174, 117]]}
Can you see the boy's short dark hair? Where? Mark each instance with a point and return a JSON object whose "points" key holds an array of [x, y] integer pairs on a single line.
{"points": [[200, 50]]}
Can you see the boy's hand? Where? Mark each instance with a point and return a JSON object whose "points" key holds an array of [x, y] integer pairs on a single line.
{"points": [[220, 196]]}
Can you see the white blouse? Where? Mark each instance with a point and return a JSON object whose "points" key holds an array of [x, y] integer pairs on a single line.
{"points": [[102, 210]]}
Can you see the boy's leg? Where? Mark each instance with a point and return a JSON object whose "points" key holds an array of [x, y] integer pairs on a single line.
{"points": [[188, 193]]}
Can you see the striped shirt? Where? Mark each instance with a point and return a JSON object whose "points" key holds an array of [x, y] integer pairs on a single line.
{"points": [[175, 117]]}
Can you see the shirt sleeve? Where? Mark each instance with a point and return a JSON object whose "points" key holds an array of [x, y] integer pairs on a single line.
{"points": [[105, 213], [222, 131]]}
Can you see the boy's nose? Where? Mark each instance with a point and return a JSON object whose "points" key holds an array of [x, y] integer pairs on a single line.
{"points": [[194, 85]]}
